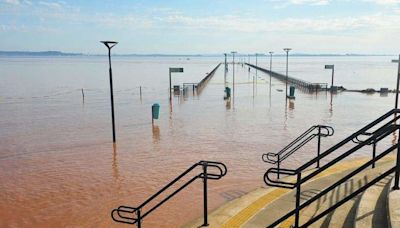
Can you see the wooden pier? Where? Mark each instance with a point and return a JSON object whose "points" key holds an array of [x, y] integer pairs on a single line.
{"points": [[301, 84]]}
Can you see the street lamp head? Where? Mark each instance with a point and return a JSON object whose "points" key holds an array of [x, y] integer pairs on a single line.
{"points": [[271, 52], [233, 52], [287, 49], [109, 44]]}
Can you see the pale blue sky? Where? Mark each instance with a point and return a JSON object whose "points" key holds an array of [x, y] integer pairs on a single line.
{"points": [[202, 26]]}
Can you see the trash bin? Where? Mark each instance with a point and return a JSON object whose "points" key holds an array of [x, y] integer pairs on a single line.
{"points": [[155, 110], [227, 92], [291, 91]]}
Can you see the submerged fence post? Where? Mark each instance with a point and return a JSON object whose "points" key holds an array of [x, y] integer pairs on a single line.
{"points": [[205, 223]]}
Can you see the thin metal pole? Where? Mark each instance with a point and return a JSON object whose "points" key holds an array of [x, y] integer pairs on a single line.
{"points": [[279, 166], [170, 85], [287, 66], [226, 67], [373, 153], [297, 209], [397, 173], [319, 145], [205, 194], [270, 68], [139, 222], [333, 73], [112, 95], [397, 86]]}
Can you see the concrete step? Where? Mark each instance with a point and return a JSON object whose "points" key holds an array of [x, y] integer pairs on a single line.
{"points": [[393, 206], [343, 216], [286, 202], [371, 211]]}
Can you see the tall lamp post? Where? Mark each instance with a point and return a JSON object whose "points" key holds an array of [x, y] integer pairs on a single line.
{"points": [[233, 79], [109, 45], [287, 65], [270, 66], [226, 69]]}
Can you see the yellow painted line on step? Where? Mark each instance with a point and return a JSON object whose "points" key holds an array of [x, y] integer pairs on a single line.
{"points": [[245, 214]]}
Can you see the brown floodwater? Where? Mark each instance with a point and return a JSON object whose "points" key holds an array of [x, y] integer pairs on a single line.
{"points": [[59, 168]]}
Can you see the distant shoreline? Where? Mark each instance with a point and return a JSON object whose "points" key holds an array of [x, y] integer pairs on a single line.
{"points": [[65, 54]]}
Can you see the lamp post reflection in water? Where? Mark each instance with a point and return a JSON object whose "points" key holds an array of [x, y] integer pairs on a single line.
{"points": [[109, 45]]}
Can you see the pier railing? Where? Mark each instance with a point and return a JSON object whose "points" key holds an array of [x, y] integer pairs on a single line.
{"points": [[135, 215], [204, 81], [302, 84], [314, 131], [386, 125]]}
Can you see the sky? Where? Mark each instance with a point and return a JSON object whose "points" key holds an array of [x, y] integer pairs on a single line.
{"points": [[201, 26]]}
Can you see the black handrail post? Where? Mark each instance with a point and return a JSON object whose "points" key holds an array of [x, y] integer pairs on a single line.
{"points": [[373, 153], [279, 165], [298, 191], [397, 173], [205, 193], [139, 222], [319, 144]]}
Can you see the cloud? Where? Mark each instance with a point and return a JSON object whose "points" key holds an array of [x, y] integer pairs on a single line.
{"points": [[12, 2], [54, 5], [384, 2]]}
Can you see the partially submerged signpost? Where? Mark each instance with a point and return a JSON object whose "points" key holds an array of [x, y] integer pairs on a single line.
{"points": [[332, 67], [173, 70]]}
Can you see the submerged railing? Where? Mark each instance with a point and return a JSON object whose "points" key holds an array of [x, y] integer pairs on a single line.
{"points": [[303, 139], [135, 215], [389, 126]]}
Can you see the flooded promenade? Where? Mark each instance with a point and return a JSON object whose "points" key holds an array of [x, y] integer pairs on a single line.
{"points": [[58, 166]]}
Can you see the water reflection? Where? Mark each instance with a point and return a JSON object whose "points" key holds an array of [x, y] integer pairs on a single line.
{"points": [[156, 134], [115, 169]]}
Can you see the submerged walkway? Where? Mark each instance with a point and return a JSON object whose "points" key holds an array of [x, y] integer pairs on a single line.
{"points": [[309, 86], [263, 206]]}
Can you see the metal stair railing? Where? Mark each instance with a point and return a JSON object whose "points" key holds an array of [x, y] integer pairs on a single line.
{"points": [[374, 137], [303, 139], [135, 215]]}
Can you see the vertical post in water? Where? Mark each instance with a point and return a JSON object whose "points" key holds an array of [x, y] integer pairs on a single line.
{"points": [[109, 45], [83, 96], [170, 85], [205, 193], [225, 71], [319, 144], [333, 74], [287, 67], [140, 92], [297, 209], [233, 64], [270, 67]]}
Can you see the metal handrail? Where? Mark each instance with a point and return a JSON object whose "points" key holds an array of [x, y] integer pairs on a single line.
{"points": [[296, 144], [135, 215], [375, 136]]}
